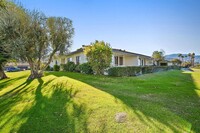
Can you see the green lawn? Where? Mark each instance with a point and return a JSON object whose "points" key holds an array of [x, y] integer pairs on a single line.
{"points": [[70, 102]]}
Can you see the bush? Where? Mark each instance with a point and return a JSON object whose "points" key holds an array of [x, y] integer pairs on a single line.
{"points": [[56, 67], [99, 55], [137, 70], [124, 71], [197, 67], [49, 68], [70, 67], [77, 68], [86, 68], [147, 69]]}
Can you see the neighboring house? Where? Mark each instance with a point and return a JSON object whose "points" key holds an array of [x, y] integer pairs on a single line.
{"points": [[21, 65], [165, 63], [119, 58]]}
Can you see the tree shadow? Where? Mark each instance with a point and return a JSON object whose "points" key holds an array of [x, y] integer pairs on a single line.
{"points": [[10, 99], [6, 82], [166, 102], [56, 113]]}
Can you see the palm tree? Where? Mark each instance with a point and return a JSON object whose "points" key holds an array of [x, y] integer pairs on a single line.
{"points": [[182, 57], [179, 55], [192, 56], [186, 58]]}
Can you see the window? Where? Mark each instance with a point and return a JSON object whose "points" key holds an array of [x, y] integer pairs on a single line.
{"points": [[56, 62], [142, 63], [120, 60], [77, 59], [116, 60]]}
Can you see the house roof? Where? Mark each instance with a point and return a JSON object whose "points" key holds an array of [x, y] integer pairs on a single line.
{"points": [[114, 50], [75, 52], [124, 51]]}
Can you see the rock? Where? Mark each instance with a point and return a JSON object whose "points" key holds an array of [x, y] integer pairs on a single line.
{"points": [[120, 117]]}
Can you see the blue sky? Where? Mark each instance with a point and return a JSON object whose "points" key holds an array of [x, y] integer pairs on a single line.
{"points": [[140, 26]]}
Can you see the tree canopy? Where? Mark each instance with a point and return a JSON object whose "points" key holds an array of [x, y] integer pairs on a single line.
{"points": [[158, 56], [34, 37], [99, 56], [2, 4], [5, 50]]}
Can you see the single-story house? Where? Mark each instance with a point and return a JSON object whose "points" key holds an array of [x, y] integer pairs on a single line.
{"points": [[119, 58]]}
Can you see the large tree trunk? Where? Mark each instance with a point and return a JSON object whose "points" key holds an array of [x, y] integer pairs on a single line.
{"points": [[2, 73], [35, 74]]}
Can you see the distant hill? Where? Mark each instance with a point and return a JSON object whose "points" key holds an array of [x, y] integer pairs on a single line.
{"points": [[175, 56]]}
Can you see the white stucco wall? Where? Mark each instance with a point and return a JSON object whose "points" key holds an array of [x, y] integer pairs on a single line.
{"points": [[170, 64], [53, 62], [128, 60], [149, 62], [83, 58], [131, 61]]}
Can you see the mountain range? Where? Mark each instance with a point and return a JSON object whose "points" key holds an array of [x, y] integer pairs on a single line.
{"points": [[175, 56]]}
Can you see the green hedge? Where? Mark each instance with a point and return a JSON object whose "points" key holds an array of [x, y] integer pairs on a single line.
{"points": [[56, 68], [70, 67], [86, 68], [134, 70], [49, 68], [197, 67], [124, 71]]}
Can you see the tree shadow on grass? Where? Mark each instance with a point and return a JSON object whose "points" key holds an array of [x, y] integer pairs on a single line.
{"points": [[9, 100], [56, 113], [167, 101], [13, 98], [6, 82]]}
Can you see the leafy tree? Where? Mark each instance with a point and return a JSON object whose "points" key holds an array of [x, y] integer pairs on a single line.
{"points": [[99, 56], [2, 4], [5, 54], [180, 55], [34, 38], [158, 56]]}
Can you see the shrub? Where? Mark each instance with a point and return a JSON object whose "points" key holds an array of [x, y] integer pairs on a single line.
{"points": [[49, 68], [70, 67], [197, 66], [86, 68], [147, 69], [99, 55], [77, 68], [56, 67], [124, 71], [137, 70]]}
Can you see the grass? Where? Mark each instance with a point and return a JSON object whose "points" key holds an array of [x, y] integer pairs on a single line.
{"points": [[72, 102]]}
